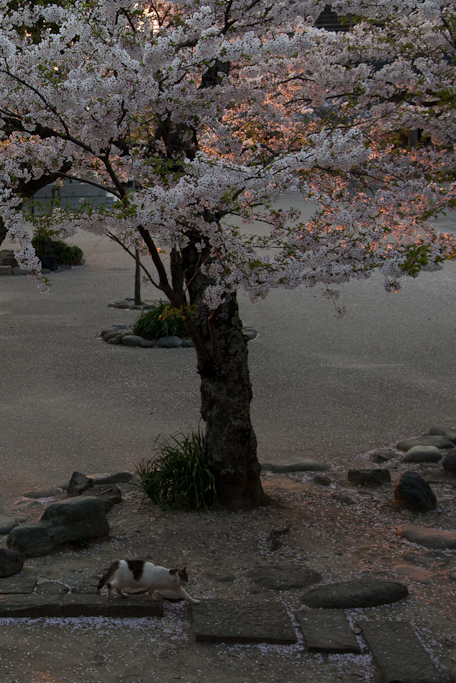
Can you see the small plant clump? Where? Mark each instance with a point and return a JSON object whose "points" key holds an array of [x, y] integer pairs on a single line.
{"points": [[180, 477], [66, 254], [161, 321]]}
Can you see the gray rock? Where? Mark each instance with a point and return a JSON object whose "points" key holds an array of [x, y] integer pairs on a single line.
{"points": [[447, 432], [11, 562], [118, 478], [246, 621], [449, 462], [187, 344], [6, 270], [78, 483], [19, 271], [414, 493], [426, 440], [327, 632], [132, 340], [419, 454], [75, 518], [284, 578], [399, 654], [31, 539], [249, 333], [172, 342], [148, 344], [369, 477], [302, 466], [111, 334], [362, 592], [109, 494], [436, 539], [116, 340], [7, 523], [62, 522]]}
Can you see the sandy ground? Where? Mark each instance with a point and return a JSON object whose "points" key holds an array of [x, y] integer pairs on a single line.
{"points": [[325, 388]]}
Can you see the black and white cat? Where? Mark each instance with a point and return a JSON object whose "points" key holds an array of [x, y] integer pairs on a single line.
{"points": [[140, 575]]}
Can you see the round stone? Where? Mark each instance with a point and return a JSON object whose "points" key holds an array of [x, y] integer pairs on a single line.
{"points": [[132, 340], [419, 454], [414, 493], [172, 342]]}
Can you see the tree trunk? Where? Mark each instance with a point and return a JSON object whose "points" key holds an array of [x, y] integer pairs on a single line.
{"points": [[137, 278], [226, 393]]}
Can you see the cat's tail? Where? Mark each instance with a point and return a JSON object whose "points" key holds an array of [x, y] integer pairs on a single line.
{"points": [[109, 574]]}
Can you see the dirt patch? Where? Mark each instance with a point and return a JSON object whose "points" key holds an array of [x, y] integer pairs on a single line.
{"points": [[338, 530]]}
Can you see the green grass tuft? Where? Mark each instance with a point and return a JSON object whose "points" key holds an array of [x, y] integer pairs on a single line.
{"points": [[161, 321], [180, 477]]}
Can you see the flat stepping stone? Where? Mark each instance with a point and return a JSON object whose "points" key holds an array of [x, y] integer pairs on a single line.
{"points": [[426, 440], [302, 466], [284, 578], [36, 606], [246, 621], [85, 605], [399, 654], [327, 632], [363, 592], [436, 539]]}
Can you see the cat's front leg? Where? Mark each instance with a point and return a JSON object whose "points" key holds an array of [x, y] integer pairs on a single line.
{"points": [[185, 595], [122, 593]]}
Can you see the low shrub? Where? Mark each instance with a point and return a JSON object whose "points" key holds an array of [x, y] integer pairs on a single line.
{"points": [[66, 254], [161, 321], [179, 477]]}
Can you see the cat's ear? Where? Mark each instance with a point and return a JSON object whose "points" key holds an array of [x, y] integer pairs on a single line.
{"points": [[173, 571], [183, 570]]}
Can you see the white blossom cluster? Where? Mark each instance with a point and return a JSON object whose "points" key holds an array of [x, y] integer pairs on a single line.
{"points": [[216, 109]]}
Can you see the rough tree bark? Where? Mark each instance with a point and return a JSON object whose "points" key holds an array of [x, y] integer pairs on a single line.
{"points": [[226, 393]]}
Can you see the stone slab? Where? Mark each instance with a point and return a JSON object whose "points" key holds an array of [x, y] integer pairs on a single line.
{"points": [[327, 632], [36, 606], [362, 592], [98, 606], [242, 621], [284, 578], [399, 654], [31, 606], [18, 585], [436, 539]]}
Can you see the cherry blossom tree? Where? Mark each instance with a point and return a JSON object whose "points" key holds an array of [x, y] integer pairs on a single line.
{"points": [[216, 109]]}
